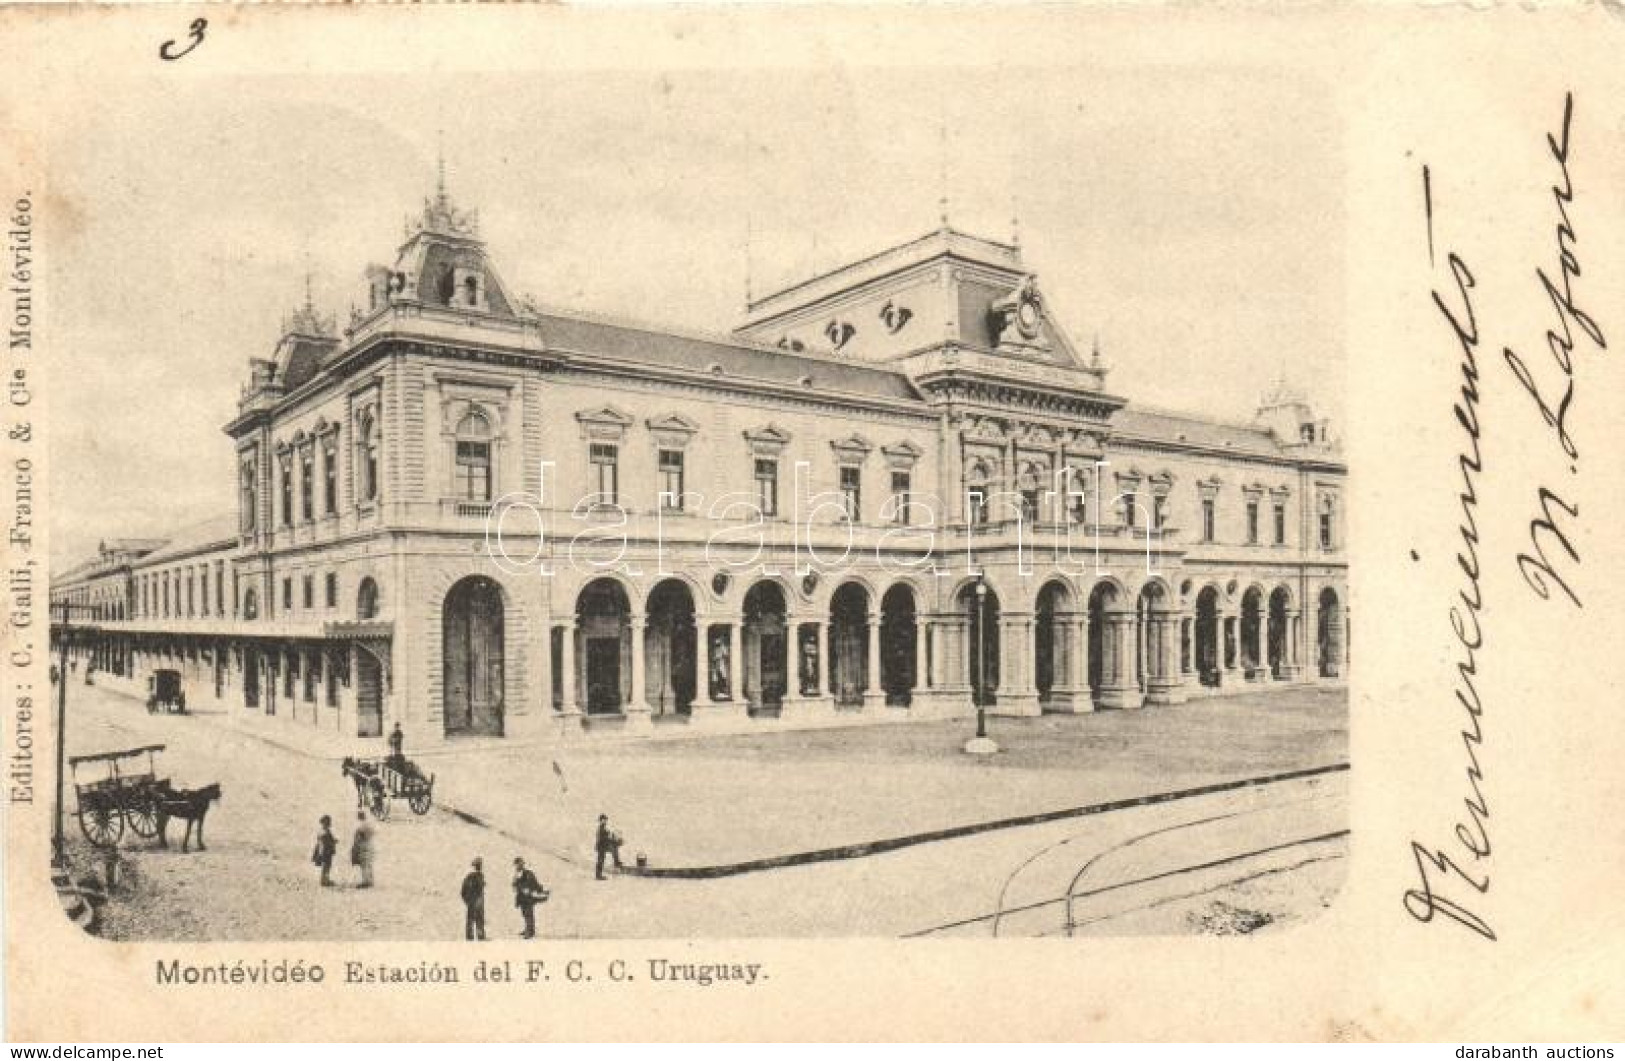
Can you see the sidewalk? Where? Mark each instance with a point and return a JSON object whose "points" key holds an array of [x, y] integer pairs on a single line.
{"points": [[716, 802]]}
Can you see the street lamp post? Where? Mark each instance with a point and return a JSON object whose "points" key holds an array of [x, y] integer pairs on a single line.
{"points": [[980, 744]]}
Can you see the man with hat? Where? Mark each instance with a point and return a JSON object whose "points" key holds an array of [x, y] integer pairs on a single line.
{"points": [[527, 892], [474, 902], [327, 845], [608, 844]]}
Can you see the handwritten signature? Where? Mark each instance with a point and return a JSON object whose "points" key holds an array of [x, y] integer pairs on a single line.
{"points": [[1451, 881]]}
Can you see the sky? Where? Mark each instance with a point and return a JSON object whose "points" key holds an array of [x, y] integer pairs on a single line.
{"points": [[1189, 215]]}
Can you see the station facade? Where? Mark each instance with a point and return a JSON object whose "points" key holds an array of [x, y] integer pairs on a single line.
{"points": [[895, 490]]}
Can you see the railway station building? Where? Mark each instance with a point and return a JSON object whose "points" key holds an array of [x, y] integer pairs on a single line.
{"points": [[892, 490]]}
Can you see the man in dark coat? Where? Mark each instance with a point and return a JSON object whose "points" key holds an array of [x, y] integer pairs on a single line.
{"points": [[607, 844], [527, 892], [327, 845], [474, 902]]}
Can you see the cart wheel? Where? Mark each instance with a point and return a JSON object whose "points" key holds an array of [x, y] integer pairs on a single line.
{"points": [[378, 801], [143, 818], [101, 824], [420, 802]]}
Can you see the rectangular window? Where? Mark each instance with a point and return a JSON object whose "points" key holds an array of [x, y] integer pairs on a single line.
{"points": [[604, 459], [901, 484], [1159, 510], [330, 476], [474, 471], [1325, 530], [204, 590], [852, 490], [309, 594], [332, 590], [1207, 519], [220, 587], [1252, 523], [1280, 523], [671, 479], [307, 484], [767, 486], [976, 505], [1131, 509], [287, 594], [287, 493], [191, 600]]}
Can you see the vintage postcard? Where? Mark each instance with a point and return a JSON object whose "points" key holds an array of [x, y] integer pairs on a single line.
{"points": [[1054, 522]]}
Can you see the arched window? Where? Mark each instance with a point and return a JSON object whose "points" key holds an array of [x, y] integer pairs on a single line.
{"points": [[367, 456], [250, 497], [1328, 512], [473, 463], [366, 600], [307, 482], [251, 604], [978, 486], [330, 472], [1030, 482]]}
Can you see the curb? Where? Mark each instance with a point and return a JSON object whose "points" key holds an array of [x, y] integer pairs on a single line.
{"points": [[877, 847]]}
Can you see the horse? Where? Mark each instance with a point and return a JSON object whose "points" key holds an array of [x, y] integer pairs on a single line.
{"points": [[190, 805]]}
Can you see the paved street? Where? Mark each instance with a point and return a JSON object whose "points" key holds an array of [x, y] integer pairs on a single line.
{"points": [[1266, 857]]}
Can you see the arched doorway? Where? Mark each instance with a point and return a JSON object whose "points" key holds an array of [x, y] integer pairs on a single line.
{"points": [[604, 618], [1209, 664], [1155, 646], [472, 658], [1280, 633], [899, 645], [1054, 645], [1252, 618], [849, 644], [669, 646], [1329, 634], [982, 644], [765, 647]]}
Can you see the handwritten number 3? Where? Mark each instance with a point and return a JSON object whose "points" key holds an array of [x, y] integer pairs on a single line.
{"points": [[167, 49]]}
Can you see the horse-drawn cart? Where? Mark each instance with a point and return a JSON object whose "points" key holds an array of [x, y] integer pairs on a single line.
{"points": [[165, 694], [377, 781], [122, 796]]}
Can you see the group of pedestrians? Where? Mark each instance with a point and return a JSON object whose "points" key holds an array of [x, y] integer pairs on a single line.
{"points": [[528, 893], [362, 850]]}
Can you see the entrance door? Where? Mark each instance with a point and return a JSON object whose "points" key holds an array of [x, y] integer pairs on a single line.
{"points": [[604, 665], [472, 657], [773, 675], [369, 695]]}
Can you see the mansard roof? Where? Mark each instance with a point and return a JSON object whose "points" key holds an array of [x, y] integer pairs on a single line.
{"points": [[719, 358], [1183, 429]]}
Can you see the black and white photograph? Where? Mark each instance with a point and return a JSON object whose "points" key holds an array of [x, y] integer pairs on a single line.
{"points": [[889, 519]]}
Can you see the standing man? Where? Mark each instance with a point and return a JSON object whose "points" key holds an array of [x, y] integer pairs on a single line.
{"points": [[397, 740], [527, 892], [361, 849], [474, 902], [327, 845], [608, 843]]}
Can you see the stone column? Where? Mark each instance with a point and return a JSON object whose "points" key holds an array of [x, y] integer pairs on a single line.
{"points": [[874, 696], [638, 715], [922, 656], [736, 664], [1163, 683], [702, 668], [1016, 695], [1289, 650], [1265, 671], [569, 706], [827, 678], [1117, 684], [1068, 635]]}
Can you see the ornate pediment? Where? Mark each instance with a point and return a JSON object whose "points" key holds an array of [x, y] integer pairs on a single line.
{"points": [[853, 449], [768, 441], [672, 431], [605, 423]]}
